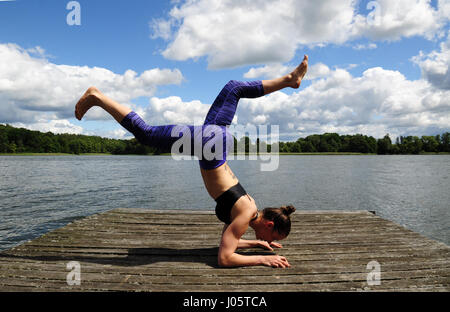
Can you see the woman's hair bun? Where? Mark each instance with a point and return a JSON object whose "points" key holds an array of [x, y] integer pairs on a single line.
{"points": [[287, 210]]}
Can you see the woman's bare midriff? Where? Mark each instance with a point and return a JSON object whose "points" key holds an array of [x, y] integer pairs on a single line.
{"points": [[218, 180], [221, 179]]}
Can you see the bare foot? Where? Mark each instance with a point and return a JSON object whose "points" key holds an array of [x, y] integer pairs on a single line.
{"points": [[295, 78], [90, 98]]}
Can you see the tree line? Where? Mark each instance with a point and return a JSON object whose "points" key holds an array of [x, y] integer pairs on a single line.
{"points": [[358, 143], [20, 140]]}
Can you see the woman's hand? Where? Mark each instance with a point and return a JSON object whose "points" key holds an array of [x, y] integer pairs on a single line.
{"points": [[276, 261], [243, 243], [267, 245]]}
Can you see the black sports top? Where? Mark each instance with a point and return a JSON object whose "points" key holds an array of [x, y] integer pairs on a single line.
{"points": [[227, 200]]}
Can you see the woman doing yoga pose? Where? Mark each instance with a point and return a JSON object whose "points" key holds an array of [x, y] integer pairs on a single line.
{"points": [[235, 207]]}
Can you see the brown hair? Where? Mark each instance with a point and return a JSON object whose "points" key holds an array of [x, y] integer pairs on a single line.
{"points": [[280, 217]]}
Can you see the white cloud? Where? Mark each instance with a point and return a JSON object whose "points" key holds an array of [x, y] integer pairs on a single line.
{"points": [[161, 29], [444, 9], [379, 102], [392, 20], [318, 70], [237, 33], [55, 126], [31, 87], [315, 71], [369, 46], [172, 110], [435, 66], [268, 71], [234, 33]]}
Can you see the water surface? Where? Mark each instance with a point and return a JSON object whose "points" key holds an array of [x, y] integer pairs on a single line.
{"points": [[42, 193]]}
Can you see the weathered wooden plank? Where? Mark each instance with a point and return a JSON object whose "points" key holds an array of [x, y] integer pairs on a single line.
{"points": [[134, 249], [53, 285], [213, 226], [213, 219], [127, 247], [205, 262], [320, 267], [202, 212], [119, 240], [184, 249], [142, 278], [297, 231]]}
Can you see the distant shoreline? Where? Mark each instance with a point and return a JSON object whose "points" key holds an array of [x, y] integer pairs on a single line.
{"points": [[166, 154]]}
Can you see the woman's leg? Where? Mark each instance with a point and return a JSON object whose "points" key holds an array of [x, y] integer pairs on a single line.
{"points": [[93, 97], [292, 80], [223, 109], [221, 112], [159, 137]]}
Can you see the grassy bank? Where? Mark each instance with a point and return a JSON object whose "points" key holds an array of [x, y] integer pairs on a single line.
{"points": [[327, 153], [247, 154], [52, 154]]}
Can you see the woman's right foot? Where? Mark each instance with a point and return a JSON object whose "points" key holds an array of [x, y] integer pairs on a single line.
{"points": [[295, 78], [90, 98]]}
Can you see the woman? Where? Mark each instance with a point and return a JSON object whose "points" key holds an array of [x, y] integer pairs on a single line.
{"points": [[234, 207]]}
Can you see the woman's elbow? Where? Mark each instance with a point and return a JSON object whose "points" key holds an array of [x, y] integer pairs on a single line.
{"points": [[223, 261]]}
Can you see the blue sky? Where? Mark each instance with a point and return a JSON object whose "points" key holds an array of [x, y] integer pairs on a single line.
{"points": [[388, 76]]}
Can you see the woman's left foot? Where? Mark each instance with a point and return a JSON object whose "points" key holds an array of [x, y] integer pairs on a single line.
{"points": [[295, 78], [89, 99]]}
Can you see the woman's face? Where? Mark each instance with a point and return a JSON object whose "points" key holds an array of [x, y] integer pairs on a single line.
{"points": [[268, 234]]}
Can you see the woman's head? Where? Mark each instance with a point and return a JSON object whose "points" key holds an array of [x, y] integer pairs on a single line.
{"points": [[275, 223]]}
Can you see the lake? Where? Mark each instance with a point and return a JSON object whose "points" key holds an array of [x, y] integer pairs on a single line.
{"points": [[41, 193]]}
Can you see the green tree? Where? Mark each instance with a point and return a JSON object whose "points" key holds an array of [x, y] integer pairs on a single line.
{"points": [[332, 142], [3, 140], [358, 144], [384, 145], [444, 145], [410, 145], [430, 144], [307, 147], [314, 140], [12, 148], [75, 147]]}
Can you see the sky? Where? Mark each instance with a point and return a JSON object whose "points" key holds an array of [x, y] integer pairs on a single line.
{"points": [[375, 67]]}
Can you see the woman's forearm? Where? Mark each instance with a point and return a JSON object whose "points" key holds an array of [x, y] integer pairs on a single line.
{"points": [[244, 243], [235, 260]]}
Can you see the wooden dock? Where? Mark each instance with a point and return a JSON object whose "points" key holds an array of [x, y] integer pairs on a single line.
{"points": [[176, 251]]}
